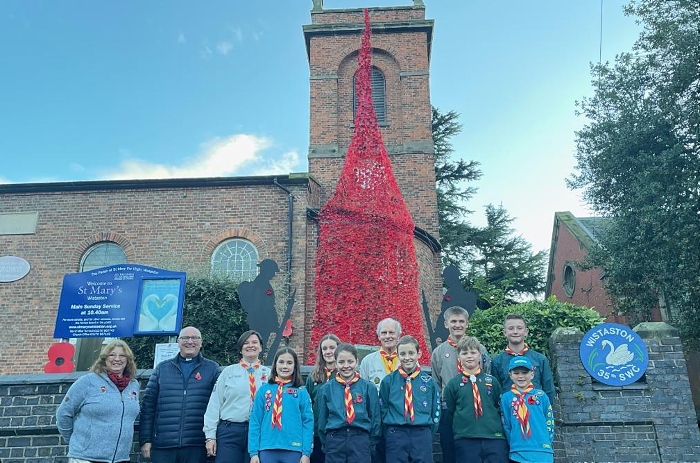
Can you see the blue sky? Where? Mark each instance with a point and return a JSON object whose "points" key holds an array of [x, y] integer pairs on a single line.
{"points": [[133, 89]]}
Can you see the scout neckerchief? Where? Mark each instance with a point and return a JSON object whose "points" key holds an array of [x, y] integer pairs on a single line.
{"points": [[277, 407], [520, 352], [328, 372], [389, 360], [349, 409], [471, 377], [408, 392], [250, 367], [451, 342], [521, 410]]}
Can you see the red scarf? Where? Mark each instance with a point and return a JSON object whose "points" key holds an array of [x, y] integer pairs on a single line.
{"points": [[471, 377], [389, 360], [521, 410], [349, 408], [520, 352], [251, 376], [328, 372], [408, 392], [277, 407], [451, 342], [121, 383]]}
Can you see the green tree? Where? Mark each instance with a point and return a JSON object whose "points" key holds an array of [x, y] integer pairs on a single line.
{"points": [[453, 188], [638, 162], [504, 260], [492, 259], [212, 306], [542, 317]]}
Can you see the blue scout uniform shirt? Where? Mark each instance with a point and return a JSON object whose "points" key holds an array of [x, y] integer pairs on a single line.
{"points": [[331, 408], [537, 447], [297, 433], [426, 400]]}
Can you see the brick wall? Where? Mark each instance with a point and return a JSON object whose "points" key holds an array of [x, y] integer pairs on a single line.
{"points": [[588, 291], [651, 421], [28, 406], [173, 226]]}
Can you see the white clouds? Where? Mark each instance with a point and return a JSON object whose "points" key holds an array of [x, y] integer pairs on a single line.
{"points": [[220, 157], [224, 47]]}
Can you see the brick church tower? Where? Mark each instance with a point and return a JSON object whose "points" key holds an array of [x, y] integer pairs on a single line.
{"points": [[401, 41]]}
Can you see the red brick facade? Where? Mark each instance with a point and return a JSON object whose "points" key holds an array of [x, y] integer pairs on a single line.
{"points": [[177, 224]]}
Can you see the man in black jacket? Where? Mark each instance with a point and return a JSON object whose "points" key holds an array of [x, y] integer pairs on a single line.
{"points": [[176, 397]]}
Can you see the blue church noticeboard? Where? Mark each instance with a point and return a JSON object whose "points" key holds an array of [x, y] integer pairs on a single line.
{"points": [[120, 301], [614, 354]]}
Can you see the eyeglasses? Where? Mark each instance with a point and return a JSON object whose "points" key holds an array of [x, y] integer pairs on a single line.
{"points": [[189, 338], [117, 356]]}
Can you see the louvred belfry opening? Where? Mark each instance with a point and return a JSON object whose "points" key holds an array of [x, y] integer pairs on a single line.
{"points": [[366, 268]]}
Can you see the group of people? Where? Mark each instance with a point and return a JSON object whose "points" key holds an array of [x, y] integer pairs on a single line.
{"points": [[384, 409]]}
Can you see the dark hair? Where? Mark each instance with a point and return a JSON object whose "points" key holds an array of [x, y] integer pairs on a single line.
{"points": [[514, 316], [346, 348], [244, 337], [318, 374], [408, 339], [296, 376]]}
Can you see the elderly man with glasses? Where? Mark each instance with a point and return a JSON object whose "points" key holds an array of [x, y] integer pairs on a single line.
{"points": [[174, 402]]}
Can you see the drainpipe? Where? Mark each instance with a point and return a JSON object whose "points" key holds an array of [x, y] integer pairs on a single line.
{"points": [[289, 235]]}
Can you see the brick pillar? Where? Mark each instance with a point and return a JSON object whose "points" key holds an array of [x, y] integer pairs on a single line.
{"points": [[650, 420]]}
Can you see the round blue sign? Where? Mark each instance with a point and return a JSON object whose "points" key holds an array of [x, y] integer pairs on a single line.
{"points": [[614, 354]]}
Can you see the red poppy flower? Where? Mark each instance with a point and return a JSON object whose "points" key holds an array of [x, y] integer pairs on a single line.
{"points": [[447, 297], [358, 399], [531, 400], [197, 376], [269, 292]]}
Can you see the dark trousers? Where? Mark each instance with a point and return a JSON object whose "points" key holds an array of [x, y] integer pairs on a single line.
{"points": [[232, 442], [347, 445], [447, 439], [481, 451], [379, 451], [405, 441], [193, 454], [279, 456], [317, 456]]}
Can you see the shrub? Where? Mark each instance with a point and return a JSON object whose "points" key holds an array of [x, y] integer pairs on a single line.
{"points": [[542, 318]]}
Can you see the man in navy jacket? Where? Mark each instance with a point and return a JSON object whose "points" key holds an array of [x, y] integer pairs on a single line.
{"points": [[176, 397]]}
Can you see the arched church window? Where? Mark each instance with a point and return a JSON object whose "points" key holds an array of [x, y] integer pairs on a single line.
{"points": [[378, 95], [236, 259], [569, 282], [102, 255]]}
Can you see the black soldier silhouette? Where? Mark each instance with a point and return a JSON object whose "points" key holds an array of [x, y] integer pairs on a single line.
{"points": [[258, 300], [455, 295]]}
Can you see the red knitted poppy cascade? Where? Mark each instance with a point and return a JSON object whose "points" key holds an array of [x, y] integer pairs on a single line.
{"points": [[366, 267]]}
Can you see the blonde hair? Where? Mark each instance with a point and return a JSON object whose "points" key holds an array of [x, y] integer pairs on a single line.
{"points": [[100, 365], [468, 343]]}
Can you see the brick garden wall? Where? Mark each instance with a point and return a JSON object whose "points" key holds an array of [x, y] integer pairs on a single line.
{"points": [[651, 421]]}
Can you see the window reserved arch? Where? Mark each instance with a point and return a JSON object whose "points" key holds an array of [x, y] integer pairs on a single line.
{"points": [[378, 95], [102, 254], [236, 259]]}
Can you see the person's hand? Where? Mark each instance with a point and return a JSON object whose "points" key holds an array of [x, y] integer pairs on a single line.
{"points": [[146, 450], [304, 459], [211, 447], [255, 459]]}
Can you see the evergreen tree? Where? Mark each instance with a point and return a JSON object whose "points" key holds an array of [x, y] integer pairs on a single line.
{"points": [[639, 164], [491, 259]]}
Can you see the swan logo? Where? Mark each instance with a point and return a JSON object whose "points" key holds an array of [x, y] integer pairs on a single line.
{"points": [[614, 354]]}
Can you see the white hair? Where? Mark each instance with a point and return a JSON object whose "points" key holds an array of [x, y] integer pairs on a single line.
{"points": [[386, 320]]}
